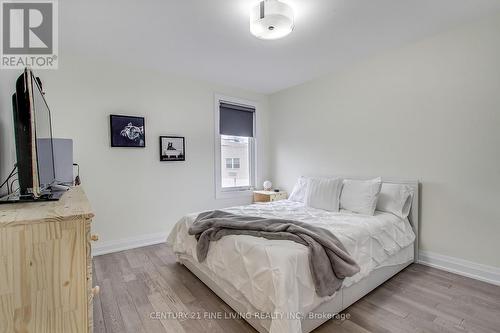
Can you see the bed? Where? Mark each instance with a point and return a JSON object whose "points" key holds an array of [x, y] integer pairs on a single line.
{"points": [[268, 282]]}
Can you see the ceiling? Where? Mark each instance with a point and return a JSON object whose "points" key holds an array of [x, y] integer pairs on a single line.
{"points": [[210, 39]]}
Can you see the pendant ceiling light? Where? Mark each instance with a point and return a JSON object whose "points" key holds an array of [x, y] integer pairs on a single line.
{"points": [[271, 19]]}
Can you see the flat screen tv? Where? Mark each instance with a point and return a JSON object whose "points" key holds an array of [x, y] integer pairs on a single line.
{"points": [[34, 144]]}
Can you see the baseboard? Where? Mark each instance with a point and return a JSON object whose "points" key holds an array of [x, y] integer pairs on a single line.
{"points": [[103, 247], [458, 266]]}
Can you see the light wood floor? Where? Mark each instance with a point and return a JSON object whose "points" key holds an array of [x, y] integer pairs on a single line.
{"points": [[137, 282]]}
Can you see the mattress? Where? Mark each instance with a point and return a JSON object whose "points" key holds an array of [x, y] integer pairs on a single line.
{"points": [[273, 276]]}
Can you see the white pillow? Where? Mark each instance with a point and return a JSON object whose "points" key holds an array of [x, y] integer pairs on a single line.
{"points": [[360, 196], [323, 193], [395, 199], [299, 190]]}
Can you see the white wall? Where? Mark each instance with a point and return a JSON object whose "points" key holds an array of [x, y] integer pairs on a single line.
{"points": [[131, 191], [429, 111]]}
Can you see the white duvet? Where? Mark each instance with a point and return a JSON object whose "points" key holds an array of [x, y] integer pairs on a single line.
{"points": [[273, 275]]}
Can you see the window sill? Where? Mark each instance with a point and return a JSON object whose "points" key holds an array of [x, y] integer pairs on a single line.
{"points": [[230, 194]]}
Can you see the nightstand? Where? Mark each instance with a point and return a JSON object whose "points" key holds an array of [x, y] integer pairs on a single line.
{"points": [[268, 196]]}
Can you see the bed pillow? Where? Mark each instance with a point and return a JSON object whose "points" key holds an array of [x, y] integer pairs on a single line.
{"points": [[395, 199], [360, 196], [299, 190], [323, 193]]}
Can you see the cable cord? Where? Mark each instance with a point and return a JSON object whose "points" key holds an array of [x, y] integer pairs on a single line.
{"points": [[12, 184], [9, 176]]}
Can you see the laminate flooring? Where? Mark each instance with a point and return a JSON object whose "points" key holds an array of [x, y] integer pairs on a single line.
{"points": [[138, 284]]}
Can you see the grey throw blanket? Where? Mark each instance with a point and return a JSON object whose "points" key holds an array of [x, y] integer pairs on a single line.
{"points": [[329, 261]]}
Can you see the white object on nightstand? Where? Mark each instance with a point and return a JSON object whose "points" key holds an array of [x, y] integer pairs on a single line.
{"points": [[268, 185]]}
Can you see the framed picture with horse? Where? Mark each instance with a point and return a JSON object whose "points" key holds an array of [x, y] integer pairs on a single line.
{"points": [[172, 148], [127, 131]]}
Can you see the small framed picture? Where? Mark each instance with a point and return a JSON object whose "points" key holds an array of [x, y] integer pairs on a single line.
{"points": [[127, 131], [172, 148]]}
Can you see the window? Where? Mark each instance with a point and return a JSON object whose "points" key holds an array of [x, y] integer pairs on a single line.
{"points": [[237, 169], [235, 147], [232, 163]]}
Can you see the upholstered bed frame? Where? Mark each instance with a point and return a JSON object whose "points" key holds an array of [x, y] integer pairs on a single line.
{"points": [[343, 298]]}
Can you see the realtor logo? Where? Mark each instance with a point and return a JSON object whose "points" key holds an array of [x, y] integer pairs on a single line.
{"points": [[29, 34]]}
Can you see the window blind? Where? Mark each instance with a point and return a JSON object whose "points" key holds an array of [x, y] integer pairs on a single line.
{"points": [[236, 120]]}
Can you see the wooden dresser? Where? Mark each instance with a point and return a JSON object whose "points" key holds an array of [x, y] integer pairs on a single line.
{"points": [[46, 265]]}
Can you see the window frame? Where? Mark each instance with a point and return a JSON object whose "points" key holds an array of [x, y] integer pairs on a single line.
{"points": [[240, 191]]}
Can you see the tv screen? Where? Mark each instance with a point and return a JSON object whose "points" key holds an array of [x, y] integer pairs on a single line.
{"points": [[43, 134], [34, 144]]}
